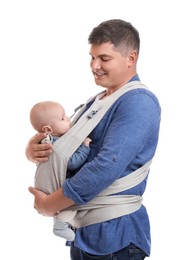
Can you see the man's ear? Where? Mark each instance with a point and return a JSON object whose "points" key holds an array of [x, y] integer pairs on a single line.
{"points": [[132, 58], [47, 129]]}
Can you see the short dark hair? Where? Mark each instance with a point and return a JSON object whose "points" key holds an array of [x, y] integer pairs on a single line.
{"points": [[120, 33]]}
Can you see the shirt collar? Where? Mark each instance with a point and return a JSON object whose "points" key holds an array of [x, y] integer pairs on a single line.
{"points": [[136, 77]]}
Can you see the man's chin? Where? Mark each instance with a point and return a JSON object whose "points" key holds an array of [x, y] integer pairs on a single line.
{"points": [[99, 82]]}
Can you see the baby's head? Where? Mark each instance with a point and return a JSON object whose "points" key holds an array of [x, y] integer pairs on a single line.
{"points": [[49, 117]]}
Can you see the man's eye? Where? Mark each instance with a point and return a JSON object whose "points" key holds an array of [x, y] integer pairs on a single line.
{"points": [[105, 59]]}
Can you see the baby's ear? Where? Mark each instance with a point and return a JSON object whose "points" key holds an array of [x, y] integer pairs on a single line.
{"points": [[47, 129]]}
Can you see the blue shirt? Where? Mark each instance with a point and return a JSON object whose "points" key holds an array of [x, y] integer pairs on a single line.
{"points": [[124, 140]]}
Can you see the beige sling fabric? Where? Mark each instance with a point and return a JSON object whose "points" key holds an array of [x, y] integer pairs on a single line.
{"points": [[51, 174], [107, 206]]}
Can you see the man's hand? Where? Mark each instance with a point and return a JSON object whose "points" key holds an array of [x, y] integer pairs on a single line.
{"points": [[50, 205], [37, 152], [40, 202]]}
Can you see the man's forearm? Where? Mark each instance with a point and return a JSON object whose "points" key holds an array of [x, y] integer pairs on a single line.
{"points": [[57, 201]]}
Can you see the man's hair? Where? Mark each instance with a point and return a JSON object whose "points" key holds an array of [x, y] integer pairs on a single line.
{"points": [[120, 33]]}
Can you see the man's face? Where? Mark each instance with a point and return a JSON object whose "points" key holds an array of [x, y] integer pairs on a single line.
{"points": [[109, 67]]}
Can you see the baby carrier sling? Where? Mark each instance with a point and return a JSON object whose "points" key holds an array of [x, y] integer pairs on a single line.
{"points": [[51, 174]]}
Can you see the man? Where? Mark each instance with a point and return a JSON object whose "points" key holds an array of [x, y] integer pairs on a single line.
{"points": [[124, 140]]}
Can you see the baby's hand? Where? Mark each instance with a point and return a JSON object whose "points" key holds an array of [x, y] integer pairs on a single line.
{"points": [[87, 141]]}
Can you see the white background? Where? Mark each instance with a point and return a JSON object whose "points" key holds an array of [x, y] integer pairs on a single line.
{"points": [[44, 55]]}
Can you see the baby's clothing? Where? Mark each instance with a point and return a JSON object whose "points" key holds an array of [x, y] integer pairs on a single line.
{"points": [[63, 229]]}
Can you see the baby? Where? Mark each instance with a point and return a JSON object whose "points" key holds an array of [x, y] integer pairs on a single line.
{"points": [[50, 117]]}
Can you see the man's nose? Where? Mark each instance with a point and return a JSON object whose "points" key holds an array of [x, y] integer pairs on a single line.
{"points": [[96, 65]]}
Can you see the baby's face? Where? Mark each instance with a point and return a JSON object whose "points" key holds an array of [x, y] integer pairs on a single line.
{"points": [[61, 122]]}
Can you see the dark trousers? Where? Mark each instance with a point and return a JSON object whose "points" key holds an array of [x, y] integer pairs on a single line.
{"points": [[129, 253]]}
